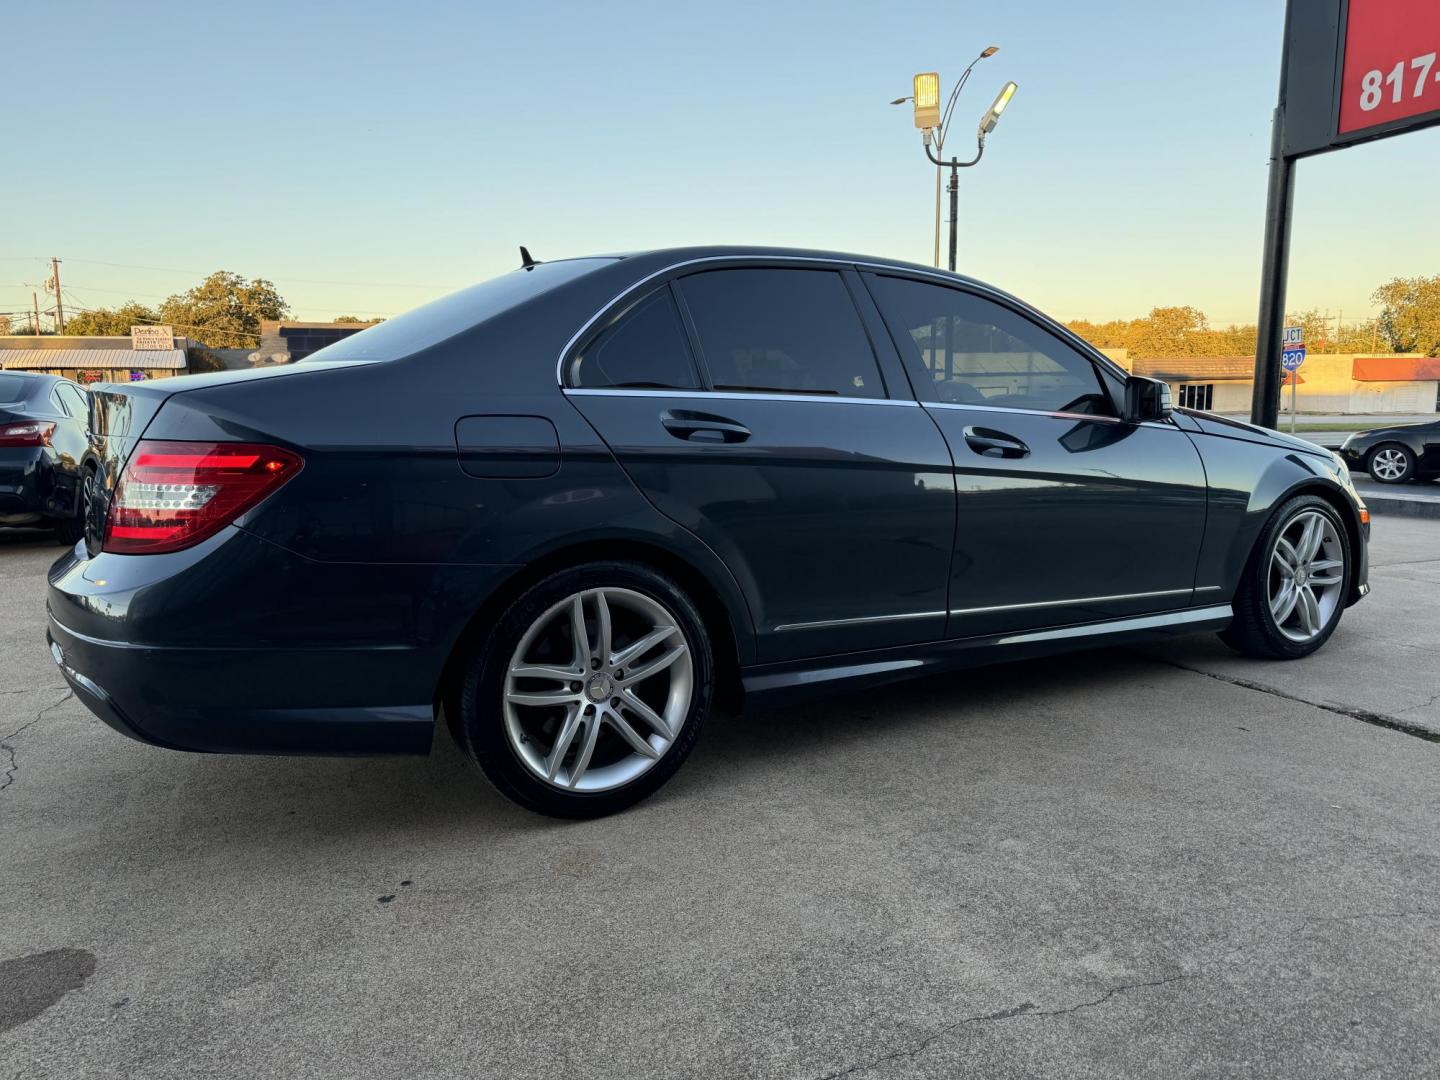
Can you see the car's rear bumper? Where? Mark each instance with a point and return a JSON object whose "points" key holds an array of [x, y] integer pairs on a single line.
{"points": [[21, 482], [116, 681], [238, 646]]}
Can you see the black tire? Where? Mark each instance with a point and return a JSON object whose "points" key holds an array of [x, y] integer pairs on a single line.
{"points": [[1405, 452], [480, 726], [1253, 630], [72, 530]]}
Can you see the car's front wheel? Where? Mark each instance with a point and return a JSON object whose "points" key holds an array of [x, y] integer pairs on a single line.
{"points": [[1293, 590], [1391, 463], [590, 692]]}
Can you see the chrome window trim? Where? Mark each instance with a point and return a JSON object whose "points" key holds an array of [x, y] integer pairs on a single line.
{"points": [[821, 624], [1070, 602], [839, 263], [731, 395]]}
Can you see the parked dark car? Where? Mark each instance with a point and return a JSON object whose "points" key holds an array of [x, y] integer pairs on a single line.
{"points": [[1395, 455], [572, 508], [43, 474]]}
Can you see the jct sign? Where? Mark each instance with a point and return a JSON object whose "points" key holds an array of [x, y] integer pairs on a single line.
{"points": [[1390, 70]]}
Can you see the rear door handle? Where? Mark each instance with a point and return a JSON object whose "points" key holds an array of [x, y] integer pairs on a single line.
{"points": [[703, 427], [990, 443]]}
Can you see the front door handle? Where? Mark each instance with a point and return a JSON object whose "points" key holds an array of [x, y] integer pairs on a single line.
{"points": [[988, 443], [702, 427]]}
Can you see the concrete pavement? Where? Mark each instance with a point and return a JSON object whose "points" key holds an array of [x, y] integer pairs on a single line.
{"points": [[1162, 863]]}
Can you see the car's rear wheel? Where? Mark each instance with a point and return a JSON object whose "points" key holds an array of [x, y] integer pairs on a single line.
{"points": [[1391, 463], [1293, 590], [590, 692], [72, 530]]}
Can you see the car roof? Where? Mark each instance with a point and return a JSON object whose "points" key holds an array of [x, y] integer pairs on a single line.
{"points": [[747, 251]]}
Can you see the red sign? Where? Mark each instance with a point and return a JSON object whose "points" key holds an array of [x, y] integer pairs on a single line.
{"points": [[1392, 62]]}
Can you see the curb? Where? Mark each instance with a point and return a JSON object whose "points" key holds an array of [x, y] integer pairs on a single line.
{"points": [[1415, 506]]}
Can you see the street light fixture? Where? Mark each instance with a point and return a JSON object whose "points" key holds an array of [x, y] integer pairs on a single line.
{"points": [[927, 100], [991, 118], [935, 126]]}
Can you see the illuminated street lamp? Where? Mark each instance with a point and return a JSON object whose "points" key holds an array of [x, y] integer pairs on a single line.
{"points": [[935, 127]]}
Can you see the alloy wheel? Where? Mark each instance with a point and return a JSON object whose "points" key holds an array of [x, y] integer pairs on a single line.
{"points": [[1389, 464], [1307, 574], [598, 689]]}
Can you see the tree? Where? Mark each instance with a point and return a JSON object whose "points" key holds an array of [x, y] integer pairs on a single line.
{"points": [[349, 319], [110, 322], [224, 310], [1410, 314]]}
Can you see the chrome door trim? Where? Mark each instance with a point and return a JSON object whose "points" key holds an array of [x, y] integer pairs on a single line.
{"points": [[1069, 602], [729, 395], [963, 406], [952, 280], [821, 624]]}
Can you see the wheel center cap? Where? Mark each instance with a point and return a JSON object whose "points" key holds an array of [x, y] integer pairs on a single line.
{"points": [[600, 687], [1300, 576]]}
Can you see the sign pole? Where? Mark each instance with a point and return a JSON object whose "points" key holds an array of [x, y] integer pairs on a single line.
{"points": [[1294, 389], [1275, 265]]}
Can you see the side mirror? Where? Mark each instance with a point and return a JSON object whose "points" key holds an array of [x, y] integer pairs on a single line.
{"points": [[1146, 399]]}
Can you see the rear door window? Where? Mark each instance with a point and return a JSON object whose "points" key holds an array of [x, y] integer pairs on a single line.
{"points": [[644, 349], [73, 400], [781, 331]]}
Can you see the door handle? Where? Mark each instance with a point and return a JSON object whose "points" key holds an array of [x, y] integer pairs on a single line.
{"points": [[990, 443], [702, 427]]}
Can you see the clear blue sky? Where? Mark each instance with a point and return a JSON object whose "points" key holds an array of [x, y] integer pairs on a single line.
{"points": [[370, 156]]}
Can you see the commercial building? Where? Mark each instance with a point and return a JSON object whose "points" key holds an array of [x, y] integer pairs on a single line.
{"points": [[97, 359], [284, 342], [1347, 383]]}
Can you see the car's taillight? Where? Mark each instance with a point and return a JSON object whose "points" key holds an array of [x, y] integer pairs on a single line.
{"points": [[27, 433], [174, 494]]}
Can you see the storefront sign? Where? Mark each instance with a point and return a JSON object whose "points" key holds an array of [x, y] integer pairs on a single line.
{"points": [[149, 338]]}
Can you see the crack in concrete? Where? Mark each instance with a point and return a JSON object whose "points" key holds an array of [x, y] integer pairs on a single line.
{"points": [[1025, 1010], [1394, 723], [13, 765], [1372, 915]]}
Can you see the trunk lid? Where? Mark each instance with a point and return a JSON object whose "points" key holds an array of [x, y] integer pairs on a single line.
{"points": [[121, 412]]}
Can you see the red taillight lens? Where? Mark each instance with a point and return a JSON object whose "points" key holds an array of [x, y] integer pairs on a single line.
{"points": [[27, 433], [174, 494]]}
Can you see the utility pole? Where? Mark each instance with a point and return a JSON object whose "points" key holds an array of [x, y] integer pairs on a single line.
{"points": [[36, 301], [59, 304]]}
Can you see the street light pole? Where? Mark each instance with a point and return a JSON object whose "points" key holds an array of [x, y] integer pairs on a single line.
{"points": [[935, 126], [956, 165]]}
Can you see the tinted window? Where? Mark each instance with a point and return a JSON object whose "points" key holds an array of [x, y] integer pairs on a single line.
{"points": [[450, 315], [792, 331], [73, 400], [644, 348], [14, 387], [975, 351]]}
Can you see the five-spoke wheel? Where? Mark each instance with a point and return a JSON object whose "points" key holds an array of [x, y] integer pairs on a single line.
{"points": [[1296, 586], [626, 674], [590, 691], [1307, 572], [1391, 463]]}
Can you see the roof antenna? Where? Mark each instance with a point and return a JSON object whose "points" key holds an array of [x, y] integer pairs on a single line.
{"points": [[526, 259]]}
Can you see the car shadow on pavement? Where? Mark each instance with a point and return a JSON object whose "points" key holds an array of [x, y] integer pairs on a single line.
{"points": [[283, 806]]}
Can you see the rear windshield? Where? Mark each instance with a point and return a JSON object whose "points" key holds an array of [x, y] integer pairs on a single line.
{"points": [[14, 387], [448, 316]]}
